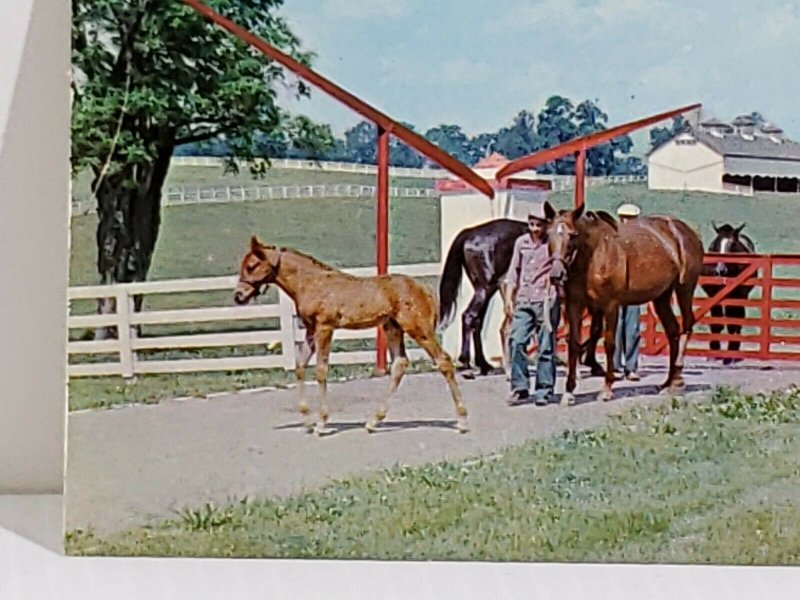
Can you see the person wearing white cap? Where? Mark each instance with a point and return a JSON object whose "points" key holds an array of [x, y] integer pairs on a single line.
{"points": [[628, 339], [535, 307]]}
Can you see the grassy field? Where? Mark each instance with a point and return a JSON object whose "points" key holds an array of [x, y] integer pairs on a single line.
{"points": [[687, 482], [208, 240]]}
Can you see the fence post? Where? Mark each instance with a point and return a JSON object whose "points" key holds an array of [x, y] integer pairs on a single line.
{"points": [[289, 322], [124, 304], [766, 308]]}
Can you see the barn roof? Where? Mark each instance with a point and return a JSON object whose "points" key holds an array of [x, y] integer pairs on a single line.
{"points": [[759, 147]]}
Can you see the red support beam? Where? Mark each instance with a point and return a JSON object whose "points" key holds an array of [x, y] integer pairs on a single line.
{"points": [[416, 141], [584, 143], [382, 231], [580, 178]]}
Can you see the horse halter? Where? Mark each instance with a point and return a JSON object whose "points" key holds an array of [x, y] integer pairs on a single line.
{"points": [[268, 279]]}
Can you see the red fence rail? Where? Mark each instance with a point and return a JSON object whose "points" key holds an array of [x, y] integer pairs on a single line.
{"points": [[769, 329]]}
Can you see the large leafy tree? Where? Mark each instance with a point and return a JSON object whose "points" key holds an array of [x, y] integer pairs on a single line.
{"points": [[555, 126], [150, 75]]}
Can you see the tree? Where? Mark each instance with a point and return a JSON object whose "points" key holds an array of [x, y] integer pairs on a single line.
{"points": [[362, 143], [555, 125], [519, 139], [602, 160], [661, 135], [482, 145], [151, 75], [452, 140], [402, 155]]}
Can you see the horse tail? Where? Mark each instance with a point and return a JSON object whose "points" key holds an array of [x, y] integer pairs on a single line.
{"points": [[450, 282]]}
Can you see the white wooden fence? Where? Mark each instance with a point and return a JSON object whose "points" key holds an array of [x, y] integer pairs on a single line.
{"points": [[311, 165], [127, 345], [184, 195]]}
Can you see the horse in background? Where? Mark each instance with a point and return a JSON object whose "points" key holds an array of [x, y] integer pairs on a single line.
{"points": [[484, 252], [728, 240]]}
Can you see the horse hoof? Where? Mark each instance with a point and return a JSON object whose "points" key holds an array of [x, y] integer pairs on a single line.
{"points": [[567, 399], [323, 431], [597, 372], [605, 395], [462, 428]]}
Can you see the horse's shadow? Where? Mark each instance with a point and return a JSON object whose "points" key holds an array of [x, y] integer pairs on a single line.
{"points": [[639, 390], [335, 428]]}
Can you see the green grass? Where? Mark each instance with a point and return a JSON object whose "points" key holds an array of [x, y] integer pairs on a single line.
{"points": [[208, 240], [685, 482]]}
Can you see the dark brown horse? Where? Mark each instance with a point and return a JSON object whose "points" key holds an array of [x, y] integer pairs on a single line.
{"points": [[600, 264], [484, 252], [729, 240]]}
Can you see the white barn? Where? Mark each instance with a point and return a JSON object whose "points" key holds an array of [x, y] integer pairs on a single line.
{"points": [[735, 158]]}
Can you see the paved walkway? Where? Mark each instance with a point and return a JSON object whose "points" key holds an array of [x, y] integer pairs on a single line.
{"points": [[133, 463]]}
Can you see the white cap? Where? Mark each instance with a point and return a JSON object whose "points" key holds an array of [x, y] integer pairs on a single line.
{"points": [[628, 210]]}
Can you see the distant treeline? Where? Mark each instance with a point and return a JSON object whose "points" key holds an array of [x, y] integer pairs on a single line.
{"points": [[559, 121]]}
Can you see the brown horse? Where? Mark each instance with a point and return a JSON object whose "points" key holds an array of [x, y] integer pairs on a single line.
{"points": [[327, 299], [601, 265]]}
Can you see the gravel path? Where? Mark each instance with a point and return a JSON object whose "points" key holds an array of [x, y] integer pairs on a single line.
{"points": [[134, 463]]}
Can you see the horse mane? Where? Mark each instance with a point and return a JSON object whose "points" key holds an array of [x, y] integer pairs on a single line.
{"points": [[600, 218], [608, 219], [309, 258]]}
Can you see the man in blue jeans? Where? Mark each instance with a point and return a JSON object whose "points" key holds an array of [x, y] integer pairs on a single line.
{"points": [[535, 307], [628, 339]]}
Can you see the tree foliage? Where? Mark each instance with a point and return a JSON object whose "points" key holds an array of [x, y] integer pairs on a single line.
{"points": [[152, 75]]}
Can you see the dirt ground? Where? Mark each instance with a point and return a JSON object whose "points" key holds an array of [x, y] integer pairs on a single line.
{"points": [[135, 463]]}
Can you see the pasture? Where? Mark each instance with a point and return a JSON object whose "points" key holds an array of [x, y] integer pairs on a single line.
{"points": [[208, 240]]}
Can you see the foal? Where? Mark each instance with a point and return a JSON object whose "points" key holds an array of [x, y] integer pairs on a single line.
{"points": [[327, 299]]}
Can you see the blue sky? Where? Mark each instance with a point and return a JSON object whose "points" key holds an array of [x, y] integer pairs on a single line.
{"points": [[478, 63]]}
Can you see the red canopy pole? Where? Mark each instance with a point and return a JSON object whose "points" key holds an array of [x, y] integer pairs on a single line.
{"points": [[580, 178], [382, 230]]}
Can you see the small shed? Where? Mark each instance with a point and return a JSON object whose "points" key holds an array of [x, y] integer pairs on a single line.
{"points": [[462, 207]]}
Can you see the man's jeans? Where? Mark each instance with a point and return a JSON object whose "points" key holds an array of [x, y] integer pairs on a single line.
{"points": [[527, 318], [626, 353]]}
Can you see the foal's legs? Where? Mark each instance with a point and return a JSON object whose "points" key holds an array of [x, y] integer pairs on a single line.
{"points": [[425, 337], [301, 362], [394, 336], [663, 307], [323, 341]]}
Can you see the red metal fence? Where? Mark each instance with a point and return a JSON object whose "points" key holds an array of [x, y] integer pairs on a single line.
{"points": [[770, 328]]}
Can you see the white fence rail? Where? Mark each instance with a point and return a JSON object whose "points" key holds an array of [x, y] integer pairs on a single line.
{"points": [[126, 347], [184, 195], [311, 165]]}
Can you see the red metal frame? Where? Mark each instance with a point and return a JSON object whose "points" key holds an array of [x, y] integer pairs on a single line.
{"points": [[386, 126], [760, 273], [580, 145]]}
